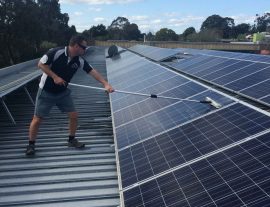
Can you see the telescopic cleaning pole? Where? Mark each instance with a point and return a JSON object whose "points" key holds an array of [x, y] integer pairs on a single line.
{"points": [[207, 100]]}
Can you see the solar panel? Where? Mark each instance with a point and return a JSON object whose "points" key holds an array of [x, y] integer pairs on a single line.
{"points": [[175, 153], [190, 141], [154, 53], [238, 176], [245, 74]]}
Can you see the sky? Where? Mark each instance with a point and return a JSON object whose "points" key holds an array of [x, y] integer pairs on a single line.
{"points": [[152, 15]]}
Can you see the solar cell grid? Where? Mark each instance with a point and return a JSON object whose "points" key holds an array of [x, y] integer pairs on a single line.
{"points": [[208, 63], [157, 122], [258, 90], [249, 80], [154, 53], [221, 63], [242, 72], [235, 177], [190, 141], [224, 70]]}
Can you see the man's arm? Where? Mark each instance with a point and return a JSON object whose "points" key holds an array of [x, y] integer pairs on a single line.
{"points": [[99, 78], [46, 69]]}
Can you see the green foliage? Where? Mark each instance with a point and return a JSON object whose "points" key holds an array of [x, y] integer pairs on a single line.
{"points": [[218, 23], [241, 29], [24, 25], [241, 37], [96, 32], [45, 45], [150, 36], [262, 22], [165, 34], [122, 29], [210, 35], [187, 32]]}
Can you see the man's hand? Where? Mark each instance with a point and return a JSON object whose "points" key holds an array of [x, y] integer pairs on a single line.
{"points": [[59, 81], [109, 88]]}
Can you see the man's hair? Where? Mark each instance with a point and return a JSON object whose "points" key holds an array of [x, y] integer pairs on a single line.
{"points": [[77, 39]]}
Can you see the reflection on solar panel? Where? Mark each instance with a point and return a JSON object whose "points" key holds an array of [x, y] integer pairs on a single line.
{"points": [[245, 74], [154, 53], [178, 153]]}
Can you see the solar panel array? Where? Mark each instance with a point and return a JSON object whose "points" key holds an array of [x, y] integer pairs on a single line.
{"points": [[180, 153], [154, 53], [245, 74], [242, 73]]}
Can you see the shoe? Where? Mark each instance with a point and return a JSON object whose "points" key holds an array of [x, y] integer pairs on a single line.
{"points": [[30, 150], [75, 143]]}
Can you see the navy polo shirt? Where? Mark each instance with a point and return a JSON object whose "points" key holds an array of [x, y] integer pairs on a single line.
{"points": [[64, 67]]}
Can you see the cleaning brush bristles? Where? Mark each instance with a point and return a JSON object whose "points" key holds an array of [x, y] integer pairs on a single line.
{"points": [[213, 103]]}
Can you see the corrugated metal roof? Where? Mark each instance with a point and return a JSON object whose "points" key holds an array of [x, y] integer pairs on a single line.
{"points": [[58, 175]]}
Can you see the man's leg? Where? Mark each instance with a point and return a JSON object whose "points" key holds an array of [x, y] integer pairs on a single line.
{"points": [[65, 104], [33, 131], [43, 105], [73, 121], [72, 141]]}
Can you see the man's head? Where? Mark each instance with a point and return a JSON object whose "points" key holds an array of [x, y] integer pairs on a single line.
{"points": [[77, 45]]}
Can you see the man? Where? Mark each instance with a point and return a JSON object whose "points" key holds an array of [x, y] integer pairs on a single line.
{"points": [[58, 66]]}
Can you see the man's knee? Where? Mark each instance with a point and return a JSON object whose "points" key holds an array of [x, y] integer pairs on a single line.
{"points": [[36, 120], [73, 115]]}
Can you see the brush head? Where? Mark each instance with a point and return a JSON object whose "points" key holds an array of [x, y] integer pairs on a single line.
{"points": [[213, 103]]}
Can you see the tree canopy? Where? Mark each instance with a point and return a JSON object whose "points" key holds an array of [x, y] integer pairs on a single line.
{"points": [[222, 25], [188, 31], [262, 22], [166, 34], [122, 29], [24, 25]]}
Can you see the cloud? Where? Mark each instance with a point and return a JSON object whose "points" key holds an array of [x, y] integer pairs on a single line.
{"points": [[156, 21], [243, 18], [171, 14], [188, 20], [99, 19], [78, 13], [99, 2], [94, 9], [138, 18]]}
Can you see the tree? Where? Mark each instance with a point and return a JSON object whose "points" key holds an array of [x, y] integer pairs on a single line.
{"points": [[187, 32], [132, 32], [210, 35], [24, 25], [262, 22], [96, 32], [241, 29], [116, 29], [222, 25], [150, 36], [165, 34], [19, 31], [121, 29], [119, 23]]}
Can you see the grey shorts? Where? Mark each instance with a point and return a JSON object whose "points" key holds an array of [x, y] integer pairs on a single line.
{"points": [[45, 101]]}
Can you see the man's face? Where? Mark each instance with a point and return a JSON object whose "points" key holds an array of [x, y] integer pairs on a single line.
{"points": [[81, 47]]}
